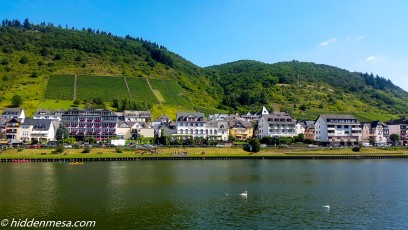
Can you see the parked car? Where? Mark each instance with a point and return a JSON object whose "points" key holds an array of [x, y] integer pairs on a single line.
{"points": [[67, 146], [36, 146], [313, 146]]}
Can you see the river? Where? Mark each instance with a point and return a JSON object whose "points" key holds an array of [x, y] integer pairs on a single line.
{"points": [[189, 194]]}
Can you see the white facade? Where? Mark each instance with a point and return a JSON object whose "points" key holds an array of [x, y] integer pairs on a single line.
{"points": [[343, 130], [13, 113], [278, 124], [299, 128], [192, 124]]}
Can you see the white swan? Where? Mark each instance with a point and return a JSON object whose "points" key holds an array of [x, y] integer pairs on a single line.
{"points": [[326, 206], [244, 194]]}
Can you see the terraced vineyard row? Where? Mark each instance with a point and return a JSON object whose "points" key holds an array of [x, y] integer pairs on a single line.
{"points": [[140, 90], [60, 87], [108, 88]]}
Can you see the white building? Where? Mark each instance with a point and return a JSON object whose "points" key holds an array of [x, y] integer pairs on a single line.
{"points": [[191, 124], [9, 113], [341, 130], [277, 124], [42, 130]]}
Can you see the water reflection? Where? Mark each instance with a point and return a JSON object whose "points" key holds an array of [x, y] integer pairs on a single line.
{"points": [[190, 194]]}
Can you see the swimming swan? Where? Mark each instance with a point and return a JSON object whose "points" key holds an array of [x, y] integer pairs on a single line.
{"points": [[244, 194]]}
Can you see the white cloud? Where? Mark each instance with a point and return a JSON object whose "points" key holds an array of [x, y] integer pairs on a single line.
{"points": [[375, 58], [327, 42]]}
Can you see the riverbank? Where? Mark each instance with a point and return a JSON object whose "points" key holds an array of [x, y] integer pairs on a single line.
{"points": [[200, 153]]}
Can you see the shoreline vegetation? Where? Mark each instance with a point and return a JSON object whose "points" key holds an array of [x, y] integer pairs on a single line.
{"points": [[196, 152]]}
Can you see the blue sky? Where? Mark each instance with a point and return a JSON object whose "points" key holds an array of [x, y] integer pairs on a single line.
{"points": [[357, 35]]}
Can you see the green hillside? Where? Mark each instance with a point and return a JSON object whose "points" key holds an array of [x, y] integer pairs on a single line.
{"points": [[39, 63]]}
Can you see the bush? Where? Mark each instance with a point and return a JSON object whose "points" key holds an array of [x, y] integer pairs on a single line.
{"points": [[356, 148], [59, 149], [119, 149], [253, 145], [87, 149]]}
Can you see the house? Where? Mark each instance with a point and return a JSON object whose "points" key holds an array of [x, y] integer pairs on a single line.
{"points": [[309, 130], [191, 124], [399, 127], [124, 130], [218, 130], [12, 128], [277, 124], [48, 114], [337, 130], [42, 130], [241, 129], [9, 113], [163, 126], [300, 128], [98, 123]]}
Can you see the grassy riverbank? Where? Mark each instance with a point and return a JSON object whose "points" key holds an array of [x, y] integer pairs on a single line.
{"points": [[194, 152]]}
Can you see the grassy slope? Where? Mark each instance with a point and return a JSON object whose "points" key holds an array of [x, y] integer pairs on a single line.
{"points": [[83, 53]]}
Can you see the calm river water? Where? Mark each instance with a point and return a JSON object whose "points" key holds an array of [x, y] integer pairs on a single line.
{"points": [[362, 194]]}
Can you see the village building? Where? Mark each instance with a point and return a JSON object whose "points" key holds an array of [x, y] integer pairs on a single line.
{"points": [[98, 123], [399, 127], [41, 130], [191, 124], [277, 124], [337, 130]]}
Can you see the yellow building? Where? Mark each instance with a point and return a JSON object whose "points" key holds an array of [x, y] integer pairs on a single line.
{"points": [[241, 129]]}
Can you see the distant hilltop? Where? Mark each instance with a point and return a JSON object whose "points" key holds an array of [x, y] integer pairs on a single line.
{"points": [[55, 67]]}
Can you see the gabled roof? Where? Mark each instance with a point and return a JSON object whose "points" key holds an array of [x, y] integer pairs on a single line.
{"points": [[235, 122], [182, 116], [162, 118], [38, 124], [335, 118], [279, 115], [125, 124], [397, 122], [12, 111], [132, 113]]}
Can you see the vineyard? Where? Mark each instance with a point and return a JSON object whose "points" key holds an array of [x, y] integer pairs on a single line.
{"points": [[140, 90], [60, 87], [105, 88], [169, 92]]}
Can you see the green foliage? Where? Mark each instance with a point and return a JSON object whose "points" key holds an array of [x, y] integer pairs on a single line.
{"points": [[253, 145], [395, 138], [356, 148], [59, 149], [16, 101], [119, 149], [87, 149], [62, 132], [304, 89]]}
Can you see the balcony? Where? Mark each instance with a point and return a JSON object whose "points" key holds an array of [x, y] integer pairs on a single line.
{"points": [[11, 131]]}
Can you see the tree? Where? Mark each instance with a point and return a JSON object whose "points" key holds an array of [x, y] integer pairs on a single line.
{"points": [[62, 132], [16, 100], [23, 60], [394, 138], [253, 145]]}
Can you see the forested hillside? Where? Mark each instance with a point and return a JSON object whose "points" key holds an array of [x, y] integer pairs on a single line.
{"points": [[30, 54]]}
